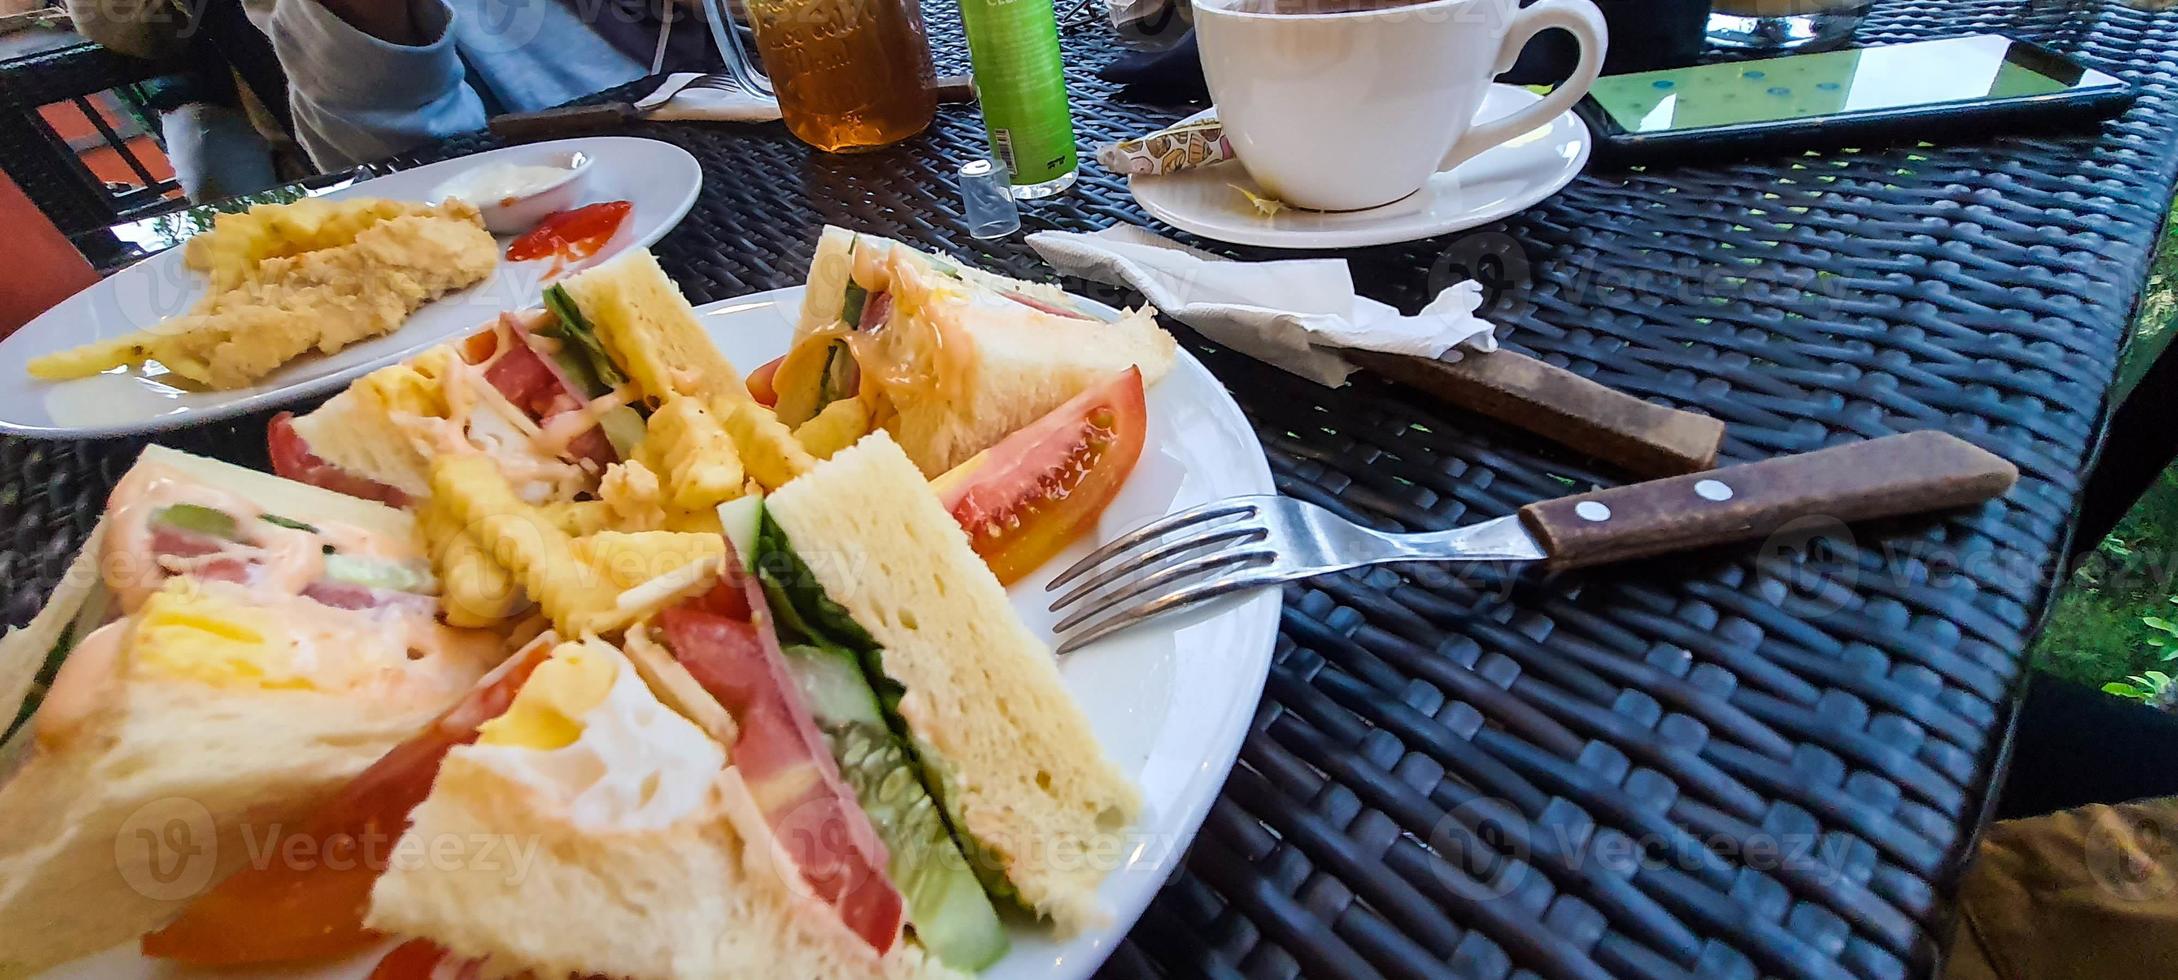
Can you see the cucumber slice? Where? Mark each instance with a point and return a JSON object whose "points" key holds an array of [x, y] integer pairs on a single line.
{"points": [[576, 330], [97, 604], [850, 311], [576, 366], [200, 519], [379, 575], [624, 428], [286, 522], [741, 518], [946, 906]]}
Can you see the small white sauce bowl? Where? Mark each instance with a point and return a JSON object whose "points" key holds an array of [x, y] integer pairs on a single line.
{"points": [[515, 215]]}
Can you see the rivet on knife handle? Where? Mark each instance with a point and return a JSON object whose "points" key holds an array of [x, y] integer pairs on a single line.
{"points": [[1902, 474]]}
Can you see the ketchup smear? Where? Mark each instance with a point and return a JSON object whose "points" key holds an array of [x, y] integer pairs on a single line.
{"points": [[570, 235]]}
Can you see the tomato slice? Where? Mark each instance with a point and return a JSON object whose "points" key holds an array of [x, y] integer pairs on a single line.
{"points": [[288, 909], [1041, 306], [760, 383], [1026, 498], [537, 386], [292, 458], [788, 768], [416, 959], [576, 233]]}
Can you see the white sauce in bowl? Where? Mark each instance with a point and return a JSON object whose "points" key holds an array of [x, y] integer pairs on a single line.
{"points": [[503, 183]]}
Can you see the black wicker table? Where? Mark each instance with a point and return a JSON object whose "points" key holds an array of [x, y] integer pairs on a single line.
{"points": [[1754, 761]]}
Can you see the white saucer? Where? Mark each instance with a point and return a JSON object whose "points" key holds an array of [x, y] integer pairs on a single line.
{"points": [[1504, 180]]}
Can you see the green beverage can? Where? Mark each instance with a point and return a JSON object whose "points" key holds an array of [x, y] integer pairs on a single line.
{"points": [[1014, 45]]}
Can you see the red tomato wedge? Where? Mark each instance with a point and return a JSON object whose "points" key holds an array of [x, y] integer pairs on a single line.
{"points": [[788, 768], [292, 458], [417, 959], [1026, 498], [287, 909], [760, 383]]}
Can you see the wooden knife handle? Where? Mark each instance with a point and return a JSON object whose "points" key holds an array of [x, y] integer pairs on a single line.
{"points": [[1893, 475], [563, 121], [1552, 402]]}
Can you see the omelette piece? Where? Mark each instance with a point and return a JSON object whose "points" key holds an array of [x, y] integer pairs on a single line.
{"points": [[320, 300]]}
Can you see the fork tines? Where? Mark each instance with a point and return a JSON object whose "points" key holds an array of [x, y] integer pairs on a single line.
{"points": [[1214, 550]]}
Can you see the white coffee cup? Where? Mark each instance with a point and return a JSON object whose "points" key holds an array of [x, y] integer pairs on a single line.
{"points": [[1357, 109]]}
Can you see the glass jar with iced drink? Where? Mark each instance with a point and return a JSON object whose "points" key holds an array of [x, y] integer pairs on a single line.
{"points": [[850, 74], [1785, 25]]}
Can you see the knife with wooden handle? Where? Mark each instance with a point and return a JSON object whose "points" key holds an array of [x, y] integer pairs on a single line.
{"points": [[1643, 438], [1885, 477]]}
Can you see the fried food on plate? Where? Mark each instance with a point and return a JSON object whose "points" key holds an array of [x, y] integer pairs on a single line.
{"points": [[289, 305], [231, 251]]}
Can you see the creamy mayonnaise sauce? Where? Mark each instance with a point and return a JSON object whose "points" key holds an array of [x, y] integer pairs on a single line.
{"points": [[501, 183]]}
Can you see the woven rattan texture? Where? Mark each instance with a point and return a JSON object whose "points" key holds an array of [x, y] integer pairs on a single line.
{"points": [[1752, 762]]}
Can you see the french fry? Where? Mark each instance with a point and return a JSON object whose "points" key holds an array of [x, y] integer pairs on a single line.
{"points": [[93, 358], [835, 428], [475, 590], [692, 454], [768, 448]]}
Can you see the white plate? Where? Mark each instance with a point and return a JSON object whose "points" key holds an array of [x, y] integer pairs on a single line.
{"points": [[1170, 701], [1505, 179], [658, 178]]}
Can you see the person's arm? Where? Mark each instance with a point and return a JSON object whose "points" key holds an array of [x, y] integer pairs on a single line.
{"points": [[137, 28], [391, 21], [370, 78]]}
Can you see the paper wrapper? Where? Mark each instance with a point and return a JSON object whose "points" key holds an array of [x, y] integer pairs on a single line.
{"points": [[1190, 144]]}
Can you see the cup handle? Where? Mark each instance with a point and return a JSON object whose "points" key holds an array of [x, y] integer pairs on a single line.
{"points": [[1579, 18]]}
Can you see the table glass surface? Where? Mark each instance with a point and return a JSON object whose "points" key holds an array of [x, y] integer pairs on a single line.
{"points": [[1749, 761]]}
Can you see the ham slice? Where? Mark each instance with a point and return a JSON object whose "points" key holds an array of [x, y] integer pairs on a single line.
{"points": [[785, 762]]}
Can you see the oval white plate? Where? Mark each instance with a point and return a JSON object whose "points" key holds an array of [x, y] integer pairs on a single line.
{"points": [[1506, 179], [1170, 700], [658, 178]]}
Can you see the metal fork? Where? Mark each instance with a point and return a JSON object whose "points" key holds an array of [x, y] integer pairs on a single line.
{"points": [[1244, 543], [1240, 543]]}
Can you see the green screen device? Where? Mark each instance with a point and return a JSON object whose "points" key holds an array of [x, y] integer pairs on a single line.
{"points": [[1884, 94]]}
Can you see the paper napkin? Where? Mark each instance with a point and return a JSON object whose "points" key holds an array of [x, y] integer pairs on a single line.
{"points": [[715, 105], [1296, 314]]}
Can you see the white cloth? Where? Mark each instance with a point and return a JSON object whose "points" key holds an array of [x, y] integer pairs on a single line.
{"points": [[1295, 314], [714, 105], [356, 98]]}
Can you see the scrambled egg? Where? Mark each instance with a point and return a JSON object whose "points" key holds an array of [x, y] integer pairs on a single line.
{"points": [[193, 635], [548, 709]]}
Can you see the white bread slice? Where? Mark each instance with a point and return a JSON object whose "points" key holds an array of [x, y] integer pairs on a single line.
{"points": [[298, 500], [1020, 362], [23, 650], [651, 331], [840, 252], [363, 440], [111, 829], [1017, 765], [513, 880]]}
